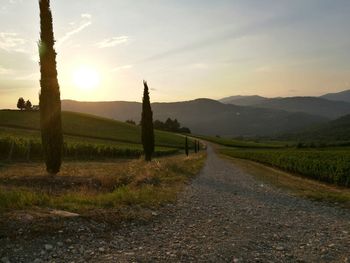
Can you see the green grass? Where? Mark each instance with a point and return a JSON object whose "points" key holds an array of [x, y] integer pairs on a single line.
{"points": [[83, 187], [84, 125]]}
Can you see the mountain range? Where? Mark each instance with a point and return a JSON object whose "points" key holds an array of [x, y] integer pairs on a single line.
{"points": [[233, 116]]}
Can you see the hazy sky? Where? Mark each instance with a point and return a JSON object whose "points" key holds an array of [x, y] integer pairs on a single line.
{"points": [[185, 48]]}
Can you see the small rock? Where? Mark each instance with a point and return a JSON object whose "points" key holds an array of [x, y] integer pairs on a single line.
{"points": [[60, 244], [48, 247], [279, 248], [101, 249]]}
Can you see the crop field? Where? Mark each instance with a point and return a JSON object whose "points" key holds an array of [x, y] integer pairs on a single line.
{"points": [[330, 165], [86, 137]]}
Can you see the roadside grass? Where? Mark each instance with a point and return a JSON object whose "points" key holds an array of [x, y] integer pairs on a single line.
{"points": [[297, 185], [87, 187]]}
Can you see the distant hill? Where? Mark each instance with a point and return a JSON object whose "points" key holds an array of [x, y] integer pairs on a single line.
{"points": [[205, 116], [84, 125], [311, 105], [333, 131], [243, 100], [339, 96]]}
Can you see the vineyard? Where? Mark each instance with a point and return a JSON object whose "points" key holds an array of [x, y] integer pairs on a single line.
{"points": [[327, 165], [86, 137], [21, 149]]}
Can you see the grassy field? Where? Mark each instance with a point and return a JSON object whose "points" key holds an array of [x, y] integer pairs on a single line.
{"points": [[107, 191], [85, 136]]}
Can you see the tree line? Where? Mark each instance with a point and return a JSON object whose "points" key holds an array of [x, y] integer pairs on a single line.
{"points": [[26, 105], [169, 125]]}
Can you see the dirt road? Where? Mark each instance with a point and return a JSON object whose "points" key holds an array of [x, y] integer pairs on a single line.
{"points": [[225, 215]]}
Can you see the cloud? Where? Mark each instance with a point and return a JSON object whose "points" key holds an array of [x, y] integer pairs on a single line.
{"points": [[11, 42], [263, 69], [15, 1], [199, 66], [86, 15], [5, 71], [31, 76], [84, 23], [122, 67], [112, 42], [234, 33]]}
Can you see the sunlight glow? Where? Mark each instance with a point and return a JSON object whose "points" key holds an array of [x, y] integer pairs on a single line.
{"points": [[86, 78]]}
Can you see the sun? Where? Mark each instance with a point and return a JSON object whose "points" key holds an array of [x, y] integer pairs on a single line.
{"points": [[86, 78]]}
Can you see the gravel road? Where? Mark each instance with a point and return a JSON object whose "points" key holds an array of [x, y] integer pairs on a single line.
{"points": [[225, 215]]}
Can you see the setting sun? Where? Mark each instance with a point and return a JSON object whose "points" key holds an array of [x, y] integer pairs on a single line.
{"points": [[86, 78]]}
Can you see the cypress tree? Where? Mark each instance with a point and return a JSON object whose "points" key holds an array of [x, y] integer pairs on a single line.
{"points": [[50, 102], [147, 135], [186, 146]]}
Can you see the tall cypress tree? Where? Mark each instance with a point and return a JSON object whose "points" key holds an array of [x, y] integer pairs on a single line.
{"points": [[147, 135], [50, 102]]}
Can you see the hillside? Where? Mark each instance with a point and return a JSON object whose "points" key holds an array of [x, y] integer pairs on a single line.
{"points": [[243, 100], [205, 116], [311, 105], [334, 131], [83, 125], [339, 96]]}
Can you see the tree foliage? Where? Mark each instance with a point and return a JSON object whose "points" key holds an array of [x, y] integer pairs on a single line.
{"points": [[50, 103], [147, 135], [28, 105], [21, 104], [170, 125]]}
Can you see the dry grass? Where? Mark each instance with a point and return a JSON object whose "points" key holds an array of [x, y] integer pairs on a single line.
{"points": [[295, 184], [86, 187]]}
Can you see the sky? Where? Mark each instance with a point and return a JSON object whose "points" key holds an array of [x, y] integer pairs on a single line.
{"points": [[185, 49]]}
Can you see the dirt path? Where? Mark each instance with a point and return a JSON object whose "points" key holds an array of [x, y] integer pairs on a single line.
{"points": [[224, 216]]}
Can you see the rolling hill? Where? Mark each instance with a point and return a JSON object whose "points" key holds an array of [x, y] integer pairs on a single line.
{"points": [[88, 127], [339, 96], [205, 116], [243, 100], [334, 131], [311, 105]]}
